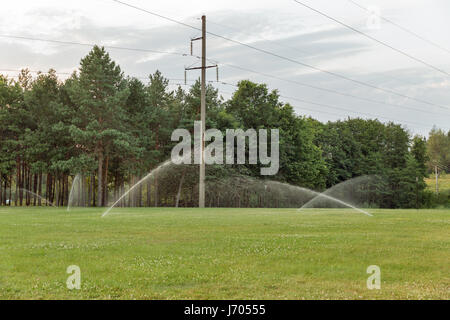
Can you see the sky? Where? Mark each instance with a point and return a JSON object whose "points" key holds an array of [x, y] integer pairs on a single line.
{"points": [[284, 28]]}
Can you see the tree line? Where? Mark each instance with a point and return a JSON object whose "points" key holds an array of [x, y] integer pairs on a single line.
{"points": [[111, 130]]}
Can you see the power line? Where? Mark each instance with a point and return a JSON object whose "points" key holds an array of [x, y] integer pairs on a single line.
{"points": [[226, 64], [33, 71], [326, 112], [285, 58], [339, 115], [348, 110], [443, 166], [158, 15], [336, 74], [289, 47], [261, 38], [325, 89], [344, 109], [92, 45], [68, 74], [234, 85], [401, 27], [245, 69], [374, 39], [233, 66]]}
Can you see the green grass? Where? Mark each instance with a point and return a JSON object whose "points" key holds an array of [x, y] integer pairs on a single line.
{"points": [[224, 253]]}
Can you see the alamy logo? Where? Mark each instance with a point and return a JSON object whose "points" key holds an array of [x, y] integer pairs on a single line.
{"points": [[74, 280], [374, 280], [235, 147], [373, 20]]}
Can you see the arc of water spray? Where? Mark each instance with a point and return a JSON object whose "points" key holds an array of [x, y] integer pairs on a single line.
{"points": [[35, 194], [77, 177], [338, 201], [137, 184], [318, 194], [340, 185]]}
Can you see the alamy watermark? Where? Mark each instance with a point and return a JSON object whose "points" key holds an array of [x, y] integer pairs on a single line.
{"points": [[374, 281], [373, 21], [74, 280], [235, 147]]}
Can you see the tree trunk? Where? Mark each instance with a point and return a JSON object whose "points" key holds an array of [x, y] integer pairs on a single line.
{"points": [[47, 190], [156, 191], [139, 204], [79, 191], [4, 190], [180, 187], [21, 183], [66, 197], [116, 188], [83, 190], [34, 189], [100, 180], [121, 191], [57, 191], [39, 189], [61, 191], [50, 188], [89, 200], [30, 186], [1, 191], [16, 196], [149, 193], [64, 187], [53, 188], [130, 195], [105, 182], [27, 186], [10, 189]]}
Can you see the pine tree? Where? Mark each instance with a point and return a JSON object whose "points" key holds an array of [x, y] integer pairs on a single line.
{"points": [[99, 94]]}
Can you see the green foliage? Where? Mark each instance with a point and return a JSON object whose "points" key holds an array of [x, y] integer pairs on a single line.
{"points": [[357, 147], [301, 161], [438, 148], [115, 130]]}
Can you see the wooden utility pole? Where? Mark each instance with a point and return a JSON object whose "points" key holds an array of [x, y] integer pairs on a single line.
{"points": [[201, 184]]}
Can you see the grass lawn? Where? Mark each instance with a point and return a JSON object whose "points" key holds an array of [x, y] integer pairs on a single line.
{"points": [[167, 253]]}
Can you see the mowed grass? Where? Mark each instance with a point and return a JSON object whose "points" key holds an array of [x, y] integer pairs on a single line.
{"points": [[168, 253]]}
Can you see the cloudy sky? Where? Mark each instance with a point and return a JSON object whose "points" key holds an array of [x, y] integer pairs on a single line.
{"points": [[283, 27]]}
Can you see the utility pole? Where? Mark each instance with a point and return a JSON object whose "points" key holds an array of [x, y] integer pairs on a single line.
{"points": [[201, 184]]}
